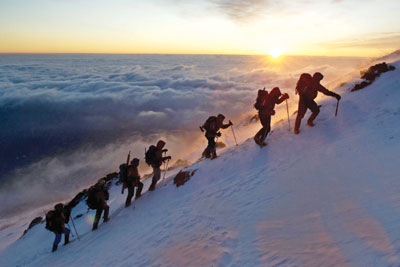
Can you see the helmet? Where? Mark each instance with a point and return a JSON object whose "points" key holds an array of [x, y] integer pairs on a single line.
{"points": [[135, 161], [220, 117], [318, 76], [59, 206], [275, 92]]}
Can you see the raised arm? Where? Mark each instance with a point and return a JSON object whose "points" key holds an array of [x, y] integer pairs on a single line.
{"points": [[325, 91], [282, 98], [224, 126]]}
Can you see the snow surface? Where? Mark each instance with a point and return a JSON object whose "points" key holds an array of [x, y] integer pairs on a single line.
{"points": [[327, 197]]}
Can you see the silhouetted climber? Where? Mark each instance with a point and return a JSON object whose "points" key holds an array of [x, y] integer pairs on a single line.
{"points": [[97, 197], [308, 87], [265, 105], [55, 220], [154, 158], [212, 126], [133, 180]]}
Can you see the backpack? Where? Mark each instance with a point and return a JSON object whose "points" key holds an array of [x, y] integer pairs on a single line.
{"points": [[210, 124], [150, 155], [50, 216], [91, 200], [301, 86], [262, 98], [123, 172]]}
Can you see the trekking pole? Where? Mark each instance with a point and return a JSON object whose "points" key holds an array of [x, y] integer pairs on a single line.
{"points": [[165, 172], [287, 109], [234, 135], [71, 231], [337, 107], [73, 224]]}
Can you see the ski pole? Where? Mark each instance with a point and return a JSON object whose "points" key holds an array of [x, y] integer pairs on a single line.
{"points": [[73, 224], [337, 107], [287, 109], [233, 132]]}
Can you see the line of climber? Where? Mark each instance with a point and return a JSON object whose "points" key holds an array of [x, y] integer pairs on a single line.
{"points": [[307, 87]]}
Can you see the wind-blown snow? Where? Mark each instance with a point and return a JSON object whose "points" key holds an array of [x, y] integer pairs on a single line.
{"points": [[326, 197]]}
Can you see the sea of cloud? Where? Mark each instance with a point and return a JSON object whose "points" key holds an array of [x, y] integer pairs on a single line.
{"points": [[67, 120]]}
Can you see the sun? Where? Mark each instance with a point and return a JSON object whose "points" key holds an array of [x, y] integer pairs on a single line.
{"points": [[275, 52]]}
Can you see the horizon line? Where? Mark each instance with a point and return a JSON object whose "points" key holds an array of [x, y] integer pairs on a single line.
{"points": [[193, 54]]}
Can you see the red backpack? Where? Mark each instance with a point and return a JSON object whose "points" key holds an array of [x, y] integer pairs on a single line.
{"points": [[262, 98], [303, 83]]}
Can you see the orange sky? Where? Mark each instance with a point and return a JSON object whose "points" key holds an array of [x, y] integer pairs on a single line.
{"points": [[332, 28]]}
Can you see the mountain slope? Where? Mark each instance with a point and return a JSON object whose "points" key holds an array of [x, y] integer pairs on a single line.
{"points": [[329, 196]]}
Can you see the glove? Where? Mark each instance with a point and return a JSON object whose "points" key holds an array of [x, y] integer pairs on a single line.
{"points": [[230, 123], [272, 112], [164, 150], [202, 129], [168, 158], [338, 97], [286, 96], [218, 134]]}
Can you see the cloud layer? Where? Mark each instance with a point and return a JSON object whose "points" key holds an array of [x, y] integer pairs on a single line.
{"points": [[67, 120]]}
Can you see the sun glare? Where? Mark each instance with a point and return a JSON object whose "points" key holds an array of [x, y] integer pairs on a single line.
{"points": [[275, 52]]}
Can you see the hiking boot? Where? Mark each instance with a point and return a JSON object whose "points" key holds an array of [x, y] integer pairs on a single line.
{"points": [[263, 144], [138, 196], [94, 227], [54, 248], [106, 219], [296, 131], [66, 240], [310, 123], [257, 140]]}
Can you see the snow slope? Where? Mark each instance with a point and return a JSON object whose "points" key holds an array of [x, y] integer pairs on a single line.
{"points": [[327, 197]]}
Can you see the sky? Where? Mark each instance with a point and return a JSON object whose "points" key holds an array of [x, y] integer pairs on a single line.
{"points": [[306, 27]]}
